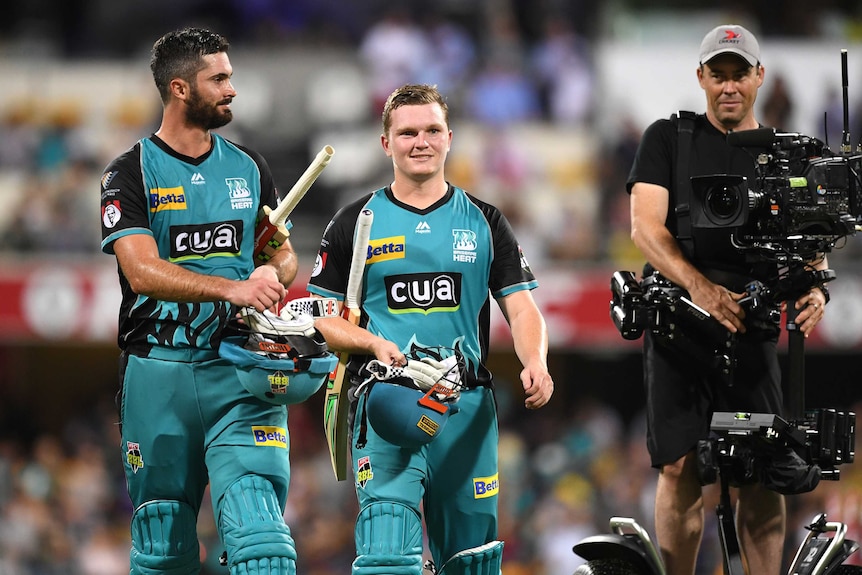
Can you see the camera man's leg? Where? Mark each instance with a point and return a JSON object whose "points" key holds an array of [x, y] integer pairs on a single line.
{"points": [[389, 488], [760, 522], [761, 514], [679, 515], [162, 443], [248, 461], [461, 502], [677, 417]]}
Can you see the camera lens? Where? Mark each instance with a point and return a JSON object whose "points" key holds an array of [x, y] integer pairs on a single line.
{"points": [[718, 201], [723, 202]]}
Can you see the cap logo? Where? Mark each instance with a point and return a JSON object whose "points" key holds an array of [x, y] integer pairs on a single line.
{"points": [[731, 35]]}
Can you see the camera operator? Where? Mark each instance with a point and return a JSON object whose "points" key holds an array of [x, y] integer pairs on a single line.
{"points": [[681, 396]]}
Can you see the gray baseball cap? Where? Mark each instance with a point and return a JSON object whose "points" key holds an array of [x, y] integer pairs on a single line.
{"points": [[730, 39]]}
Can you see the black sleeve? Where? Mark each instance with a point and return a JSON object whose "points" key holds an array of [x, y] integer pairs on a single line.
{"points": [[329, 277], [654, 162], [509, 267], [124, 203]]}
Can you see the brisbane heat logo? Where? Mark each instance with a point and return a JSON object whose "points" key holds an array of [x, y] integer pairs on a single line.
{"points": [[423, 293]]}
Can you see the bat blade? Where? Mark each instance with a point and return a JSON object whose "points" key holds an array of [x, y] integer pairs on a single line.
{"points": [[269, 234], [336, 404]]}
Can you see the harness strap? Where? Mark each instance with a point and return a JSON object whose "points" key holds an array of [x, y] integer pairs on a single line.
{"points": [[685, 129]]}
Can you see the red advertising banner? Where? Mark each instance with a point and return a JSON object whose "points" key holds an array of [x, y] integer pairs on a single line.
{"points": [[78, 302]]}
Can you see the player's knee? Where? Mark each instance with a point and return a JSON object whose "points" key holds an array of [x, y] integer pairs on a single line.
{"points": [[388, 540], [164, 539], [486, 559], [256, 538]]}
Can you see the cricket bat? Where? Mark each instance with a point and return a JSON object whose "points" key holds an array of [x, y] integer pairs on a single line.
{"points": [[270, 233], [336, 405]]}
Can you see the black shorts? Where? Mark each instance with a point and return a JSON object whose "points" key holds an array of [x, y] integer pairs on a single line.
{"points": [[681, 398]]}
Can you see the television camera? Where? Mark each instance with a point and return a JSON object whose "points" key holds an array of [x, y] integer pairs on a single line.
{"points": [[804, 198]]}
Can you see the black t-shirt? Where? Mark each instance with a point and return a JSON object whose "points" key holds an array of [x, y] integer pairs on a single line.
{"points": [[656, 163]]}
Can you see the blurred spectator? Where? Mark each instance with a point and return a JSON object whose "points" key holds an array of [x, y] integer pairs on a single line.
{"points": [[19, 135], [452, 55], [778, 106], [502, 94], [563, 516], [395, 51], [615, 161], [561, 61], [830, 121]]}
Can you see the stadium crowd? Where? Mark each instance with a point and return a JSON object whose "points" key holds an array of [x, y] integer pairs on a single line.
{"points": [[63, 508]]}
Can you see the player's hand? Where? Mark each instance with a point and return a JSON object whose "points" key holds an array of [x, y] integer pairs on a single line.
{"points": [[261, 290], [388, 353], [538, 385], [720, 303]]}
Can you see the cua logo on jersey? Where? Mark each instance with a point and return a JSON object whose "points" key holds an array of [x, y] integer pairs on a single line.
{"points": [[423, 293], [213, 239], [486, 486], [385, 249], [269, 435], [464, 246], [133, 456], [364, 474], [167, 199], [240, 194]]}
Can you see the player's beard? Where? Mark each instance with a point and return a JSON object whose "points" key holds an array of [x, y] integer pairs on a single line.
{"points": [[206, 115]]}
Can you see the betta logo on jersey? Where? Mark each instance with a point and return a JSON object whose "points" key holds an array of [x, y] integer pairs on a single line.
{"points": [[216, 239], [385, 249], [423, 293], [486, 486], [269, 435], [167, 199]]}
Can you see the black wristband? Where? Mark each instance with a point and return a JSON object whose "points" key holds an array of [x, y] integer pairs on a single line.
{"points": [[825, 292]]}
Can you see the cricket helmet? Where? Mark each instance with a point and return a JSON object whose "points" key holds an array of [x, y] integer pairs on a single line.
{"points": [[409, 406], [280, 367]]}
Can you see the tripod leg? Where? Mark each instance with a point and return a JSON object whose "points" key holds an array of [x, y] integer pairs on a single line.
{"points": [[731, 554]]}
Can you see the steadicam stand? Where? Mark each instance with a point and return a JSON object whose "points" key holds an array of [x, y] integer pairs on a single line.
{"points": [[628, 549], [818, 553]]}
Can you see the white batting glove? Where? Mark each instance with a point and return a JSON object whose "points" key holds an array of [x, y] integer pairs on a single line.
{"points": [[268, 323]]}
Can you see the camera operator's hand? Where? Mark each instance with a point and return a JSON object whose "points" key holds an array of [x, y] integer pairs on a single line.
{"points": [[720, 303], [810, 309]]}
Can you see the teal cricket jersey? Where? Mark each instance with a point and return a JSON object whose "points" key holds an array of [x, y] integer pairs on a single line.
{"points": [[429, 273], [202, 214]]}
